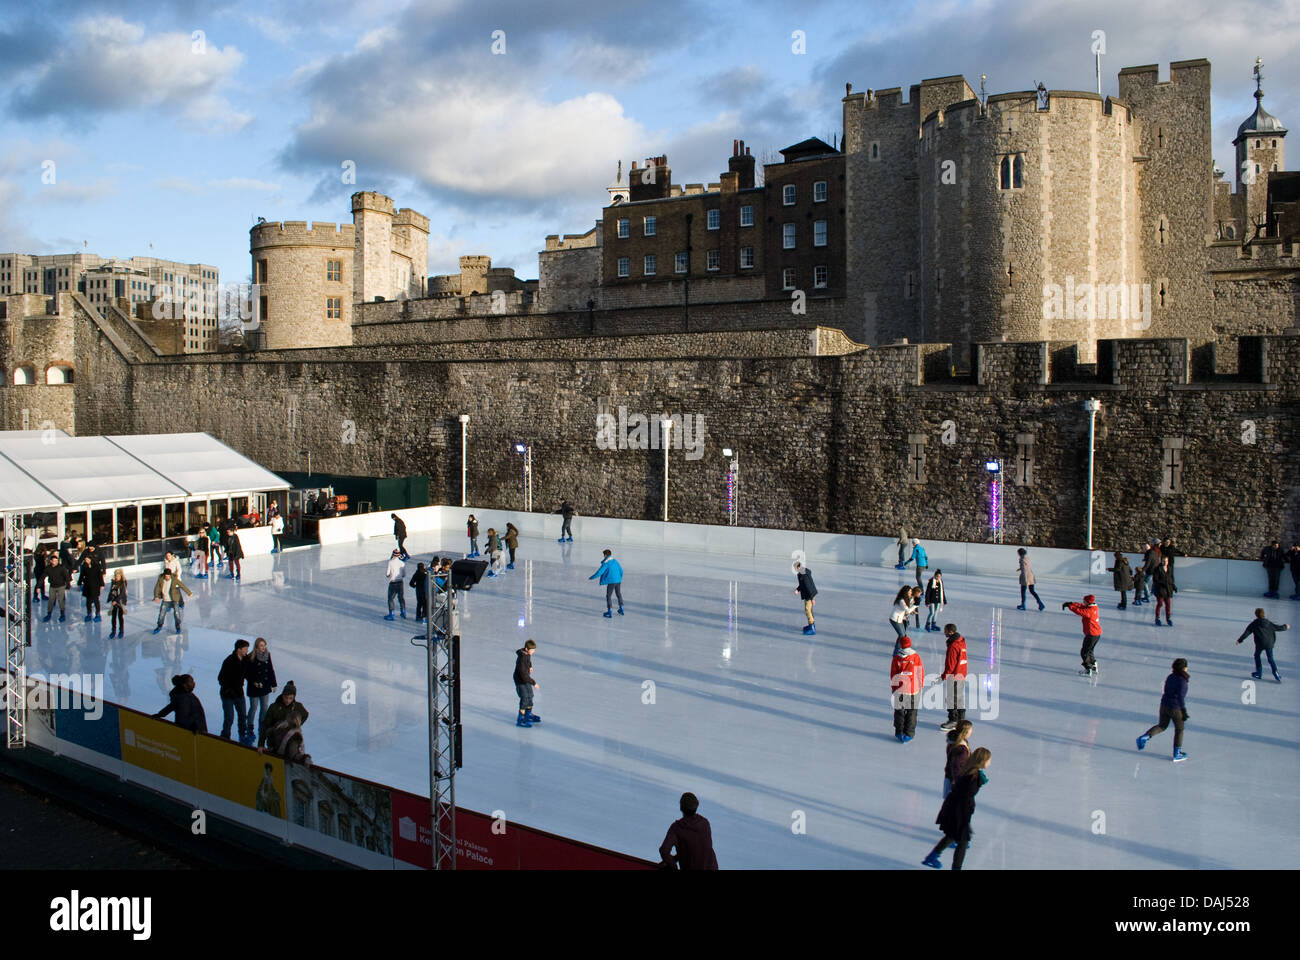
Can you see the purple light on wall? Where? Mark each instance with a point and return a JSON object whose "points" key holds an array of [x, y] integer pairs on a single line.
{"points": [[995, 504]]}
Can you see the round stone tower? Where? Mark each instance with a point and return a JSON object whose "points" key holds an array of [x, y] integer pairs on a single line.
{"points": [[303, 283]]}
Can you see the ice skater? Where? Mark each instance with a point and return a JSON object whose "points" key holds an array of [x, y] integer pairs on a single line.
{"points": [[566, 530], [610, 573], [471, 529], [904, 541], [117, 605], [1027, 580], [1123, 580], [1273, 560], [920, 558], [395, 573], [953, 678], [1173, 706], [1163, 586], [420, 584], [807, 591], [1265, 631], [903, 608], [399, 534], [906, 681], [525, 684], [1091, 615], [494, 553], [1140, 593], [935, 599], [958, 808], [956, 753], [1293, 558], [512, 543]]}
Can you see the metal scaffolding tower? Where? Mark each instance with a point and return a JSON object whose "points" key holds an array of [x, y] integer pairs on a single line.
{"points": [[16, 614], [442, 641]]}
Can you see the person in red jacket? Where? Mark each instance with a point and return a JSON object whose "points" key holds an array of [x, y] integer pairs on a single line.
{"points": [[906, 680], [953, 677], [1090, 613]]}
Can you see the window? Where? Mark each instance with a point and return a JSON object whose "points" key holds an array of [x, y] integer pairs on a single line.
{"points": [[679, 262], [787, 236], [624, 228], [875, 150], [713, 260], [650, 224], [1274, 144], [746, 258], [333, 308], [651, 265], [747, 216], [787, 195], [1011, 173], [819, 191], [819, 233], [334, 270], [625, 265], [715, 219], [1257, 144], [787, 278], [261, 271], [820, 275]]}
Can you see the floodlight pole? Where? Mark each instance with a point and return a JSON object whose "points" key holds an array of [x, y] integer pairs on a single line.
{"points": [[1092, 406], [464, 447], [667, 442]]}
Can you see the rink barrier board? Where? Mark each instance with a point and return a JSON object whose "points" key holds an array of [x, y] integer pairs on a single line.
{"points": [[179, 765], [1243, 578], [353, 527]]}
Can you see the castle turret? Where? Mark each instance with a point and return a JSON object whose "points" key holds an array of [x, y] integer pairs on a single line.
{"points": [[1260, 146], [372, 216]]}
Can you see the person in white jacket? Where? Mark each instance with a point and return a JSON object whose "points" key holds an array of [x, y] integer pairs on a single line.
{"points": [[905, 605], [277, 531], [396, 574]]}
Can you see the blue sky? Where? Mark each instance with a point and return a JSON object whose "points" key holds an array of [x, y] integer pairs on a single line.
{"points": [[158, 137]]}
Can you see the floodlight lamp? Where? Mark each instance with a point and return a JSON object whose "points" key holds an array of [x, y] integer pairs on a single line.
{"points": [[520, 448], [992, 466], [726, 451]]}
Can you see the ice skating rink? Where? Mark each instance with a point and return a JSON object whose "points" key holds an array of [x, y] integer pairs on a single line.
{"points": [[708, 685]]}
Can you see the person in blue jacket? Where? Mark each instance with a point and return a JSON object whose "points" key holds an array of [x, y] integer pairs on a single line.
{"points": [[1173, 706], [611, 577], [922, 562]]}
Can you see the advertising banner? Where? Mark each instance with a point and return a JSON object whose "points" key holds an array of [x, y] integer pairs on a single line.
{"points": [[241, 775], [95, 730], [158, 746]]}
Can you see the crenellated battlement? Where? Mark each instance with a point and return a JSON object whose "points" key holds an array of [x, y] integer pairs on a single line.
{"points": [[319, 233]]}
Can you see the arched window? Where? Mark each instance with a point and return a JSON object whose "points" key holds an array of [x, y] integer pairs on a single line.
{"points": [[1018, 176], [59, 373], [24, 375], [1004, 180]]}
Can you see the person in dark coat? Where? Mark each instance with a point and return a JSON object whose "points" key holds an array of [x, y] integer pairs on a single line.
{"points": [[1274, 561], [234, 553], [420, 583], [1123, 580], [1140, 592], [58, 577], [1173, 706], [471, 530], [259, 675], [512, 543], [283, 730], [958, 808], [1151, 559], [1265, 631], [399, 532], [1163, 586], [68, 551], [693, 838], [38, 573], [525, 684], [91, 580], [1293, 558], [807, 591], [187, 706], [230, 678], [566, 529]]}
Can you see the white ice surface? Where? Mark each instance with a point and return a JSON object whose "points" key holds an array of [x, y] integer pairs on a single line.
{"points": [[761, 722]]}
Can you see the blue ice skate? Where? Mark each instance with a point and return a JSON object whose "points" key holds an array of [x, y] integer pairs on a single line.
{"points": [[390, 617], [1020, 606], [1142, 741], [932, 860], [608, 614], [532, 717], [809, 630], [510, 566], [1179, 756], [521, 720]]}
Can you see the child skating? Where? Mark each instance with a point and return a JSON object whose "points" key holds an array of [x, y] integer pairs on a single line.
{"points": [[807, 591], [611, 578], [1090, 613], [935, 599], [906, 681], [1173, 706], [1264, 631], [471, 530], [494, 553], [525, 684], [1027, 580]]}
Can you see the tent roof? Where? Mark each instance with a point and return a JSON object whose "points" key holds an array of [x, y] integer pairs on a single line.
{"points": [[49, 472]]}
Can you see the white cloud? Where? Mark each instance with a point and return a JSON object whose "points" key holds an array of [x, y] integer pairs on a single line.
{"points": [[109, 65], [63, 191], [243, 183], [178, 184]]}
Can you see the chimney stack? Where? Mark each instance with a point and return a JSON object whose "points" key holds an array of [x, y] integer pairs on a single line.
{"points": [[741, 164]]}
